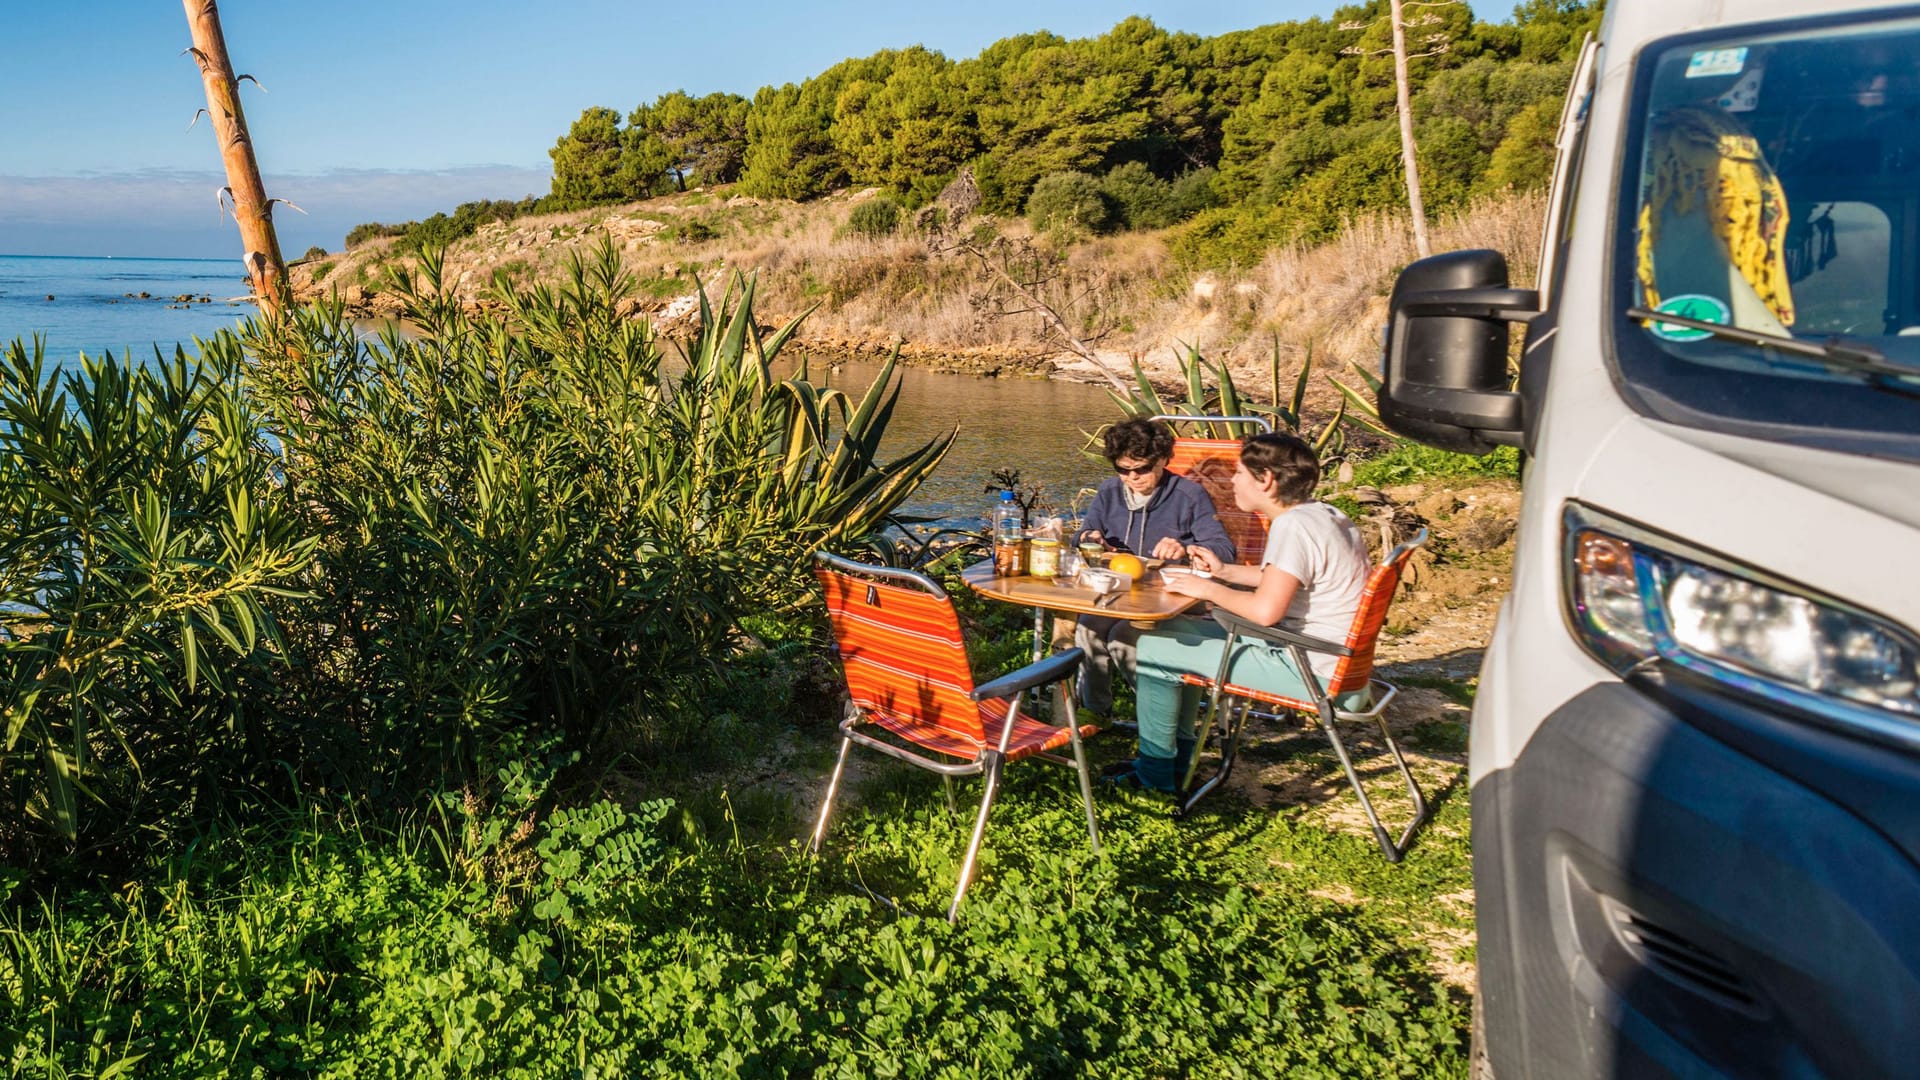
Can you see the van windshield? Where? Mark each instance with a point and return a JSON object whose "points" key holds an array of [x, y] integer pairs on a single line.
{"points": [[1773, 189]]}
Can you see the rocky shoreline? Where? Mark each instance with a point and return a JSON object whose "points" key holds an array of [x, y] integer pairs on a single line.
{"points": [[676, 319]]}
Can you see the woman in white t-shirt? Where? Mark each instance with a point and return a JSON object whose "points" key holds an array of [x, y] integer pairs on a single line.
{"points": [[1310, 581]]}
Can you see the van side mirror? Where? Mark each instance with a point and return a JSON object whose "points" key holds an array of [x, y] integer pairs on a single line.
{"points": [[1444, 370]]}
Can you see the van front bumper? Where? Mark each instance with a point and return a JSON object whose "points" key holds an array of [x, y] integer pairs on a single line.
{"points": [[1673, 883]]}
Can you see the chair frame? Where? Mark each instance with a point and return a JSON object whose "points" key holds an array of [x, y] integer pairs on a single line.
{"points": [[1230, 707], [1266, 425], [989, 761]]}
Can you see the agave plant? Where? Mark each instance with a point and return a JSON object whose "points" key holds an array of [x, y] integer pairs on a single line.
{"points": [[779, 466], [1366, 412], [1226, 399]]}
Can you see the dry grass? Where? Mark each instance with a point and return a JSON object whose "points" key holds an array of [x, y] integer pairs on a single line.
{"points": [[1123, 293]]}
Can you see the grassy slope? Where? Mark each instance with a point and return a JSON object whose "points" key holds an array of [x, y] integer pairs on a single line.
{"points": [[1124, 291]]}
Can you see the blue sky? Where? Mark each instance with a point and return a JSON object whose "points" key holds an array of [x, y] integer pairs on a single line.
{"points": [[390, 111]]}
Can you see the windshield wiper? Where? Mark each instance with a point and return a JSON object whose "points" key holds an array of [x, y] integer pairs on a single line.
{"points": [[1836, 353]]}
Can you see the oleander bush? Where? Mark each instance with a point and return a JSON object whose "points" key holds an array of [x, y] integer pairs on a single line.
{"points": [[311, 560], [538, 535], [147, 548]]}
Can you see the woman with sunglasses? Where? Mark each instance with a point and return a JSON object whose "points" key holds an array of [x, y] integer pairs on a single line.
{"points": [[1149, 511], [1311, 580]]}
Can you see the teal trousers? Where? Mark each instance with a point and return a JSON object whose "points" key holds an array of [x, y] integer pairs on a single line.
{"points": [[1167, 708]]}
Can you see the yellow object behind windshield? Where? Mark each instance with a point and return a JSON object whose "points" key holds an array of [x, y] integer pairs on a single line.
{"points": [[1699, 152]]}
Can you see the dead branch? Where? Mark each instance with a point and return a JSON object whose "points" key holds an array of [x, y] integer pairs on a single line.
{"points": [[1002, 259]]}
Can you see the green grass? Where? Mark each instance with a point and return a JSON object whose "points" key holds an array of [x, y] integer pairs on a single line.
{"points": [[1458, 691], [693, 936], [327, 948], [1408, 462], [662, 288]]}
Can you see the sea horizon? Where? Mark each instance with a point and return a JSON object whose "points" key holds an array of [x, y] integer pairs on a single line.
{"points": [[121, 258], [96, 304]]}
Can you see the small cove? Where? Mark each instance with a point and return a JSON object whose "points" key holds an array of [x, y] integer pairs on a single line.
{"points": [[1038, 426]]}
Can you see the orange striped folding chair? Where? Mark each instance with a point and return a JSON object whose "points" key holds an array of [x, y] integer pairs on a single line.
{"points": [[1231, 705], [911, 693], [1210, 462]]}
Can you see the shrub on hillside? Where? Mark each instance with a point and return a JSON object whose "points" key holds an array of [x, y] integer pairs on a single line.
{"points": [[1229, 236], [875, 218], [1141, 200], [1068, 204]]}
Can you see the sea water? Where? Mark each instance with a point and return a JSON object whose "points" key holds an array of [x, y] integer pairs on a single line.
{"points": [[1037, 426], [94, 305]]}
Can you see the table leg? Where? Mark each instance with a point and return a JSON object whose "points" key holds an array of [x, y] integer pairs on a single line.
{"points": [[1064, 693]]}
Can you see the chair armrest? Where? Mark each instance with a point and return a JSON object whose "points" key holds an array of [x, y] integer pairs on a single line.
{"points": [[1039, 673], [1247, 628]]}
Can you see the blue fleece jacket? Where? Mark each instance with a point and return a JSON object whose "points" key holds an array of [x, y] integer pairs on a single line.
{"points": [[1178, 508]]}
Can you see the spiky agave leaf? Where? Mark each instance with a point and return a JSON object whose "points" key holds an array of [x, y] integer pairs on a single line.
{"points": [[1366, 411]]}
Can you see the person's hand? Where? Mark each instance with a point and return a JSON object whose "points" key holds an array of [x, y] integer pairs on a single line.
{"points": [[1091, 536], [1169, 549], [1189, 585], [1204, 559]]}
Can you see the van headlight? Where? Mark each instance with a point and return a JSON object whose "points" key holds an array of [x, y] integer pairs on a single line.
{"points": [[1636, 598]]}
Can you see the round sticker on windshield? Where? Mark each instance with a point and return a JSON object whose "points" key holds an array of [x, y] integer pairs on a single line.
{"points": [[1691, 306]]}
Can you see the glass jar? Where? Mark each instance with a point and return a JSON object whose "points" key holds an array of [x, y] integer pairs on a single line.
{"points": [[1043, 556]]}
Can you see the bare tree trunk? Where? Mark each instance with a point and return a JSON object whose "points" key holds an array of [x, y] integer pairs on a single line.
{"points": [[266, 270], [1402, 97]]}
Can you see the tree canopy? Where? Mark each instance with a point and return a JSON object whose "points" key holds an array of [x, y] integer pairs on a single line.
{"points": [[1293, 123]]}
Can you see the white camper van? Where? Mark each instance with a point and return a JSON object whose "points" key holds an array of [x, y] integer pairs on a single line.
{"points": [[1696, 747]]}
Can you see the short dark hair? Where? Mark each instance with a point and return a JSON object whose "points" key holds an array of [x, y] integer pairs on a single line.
{"points": [[1139, 437], [1293, 465]]}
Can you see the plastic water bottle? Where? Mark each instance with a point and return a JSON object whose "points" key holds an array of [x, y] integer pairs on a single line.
{"points": [[1009, 545]]}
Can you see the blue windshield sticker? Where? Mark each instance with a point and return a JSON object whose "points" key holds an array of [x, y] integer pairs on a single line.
{"points": [[1708, 63], [1691, 306]]}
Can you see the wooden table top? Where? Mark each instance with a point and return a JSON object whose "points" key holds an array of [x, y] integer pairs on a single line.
{"points": [[1146, 602]]}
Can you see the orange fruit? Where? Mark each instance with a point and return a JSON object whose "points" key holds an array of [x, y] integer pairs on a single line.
{"points": [[1129, 565]]}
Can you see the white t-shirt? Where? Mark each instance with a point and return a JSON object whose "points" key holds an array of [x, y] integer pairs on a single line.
{"points": [[1323, 548]]}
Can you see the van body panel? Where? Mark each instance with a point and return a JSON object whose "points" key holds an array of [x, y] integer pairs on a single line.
{"points": [[1807, 534], [1695, 750], [1653, 902], [1880, 487]]}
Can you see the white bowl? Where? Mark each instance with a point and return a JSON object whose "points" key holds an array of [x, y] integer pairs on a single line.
{"points": [[1103, 582], [1168, 573]]}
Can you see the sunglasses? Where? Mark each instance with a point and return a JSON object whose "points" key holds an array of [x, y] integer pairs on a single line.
{"points": [[1135, 470]]}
